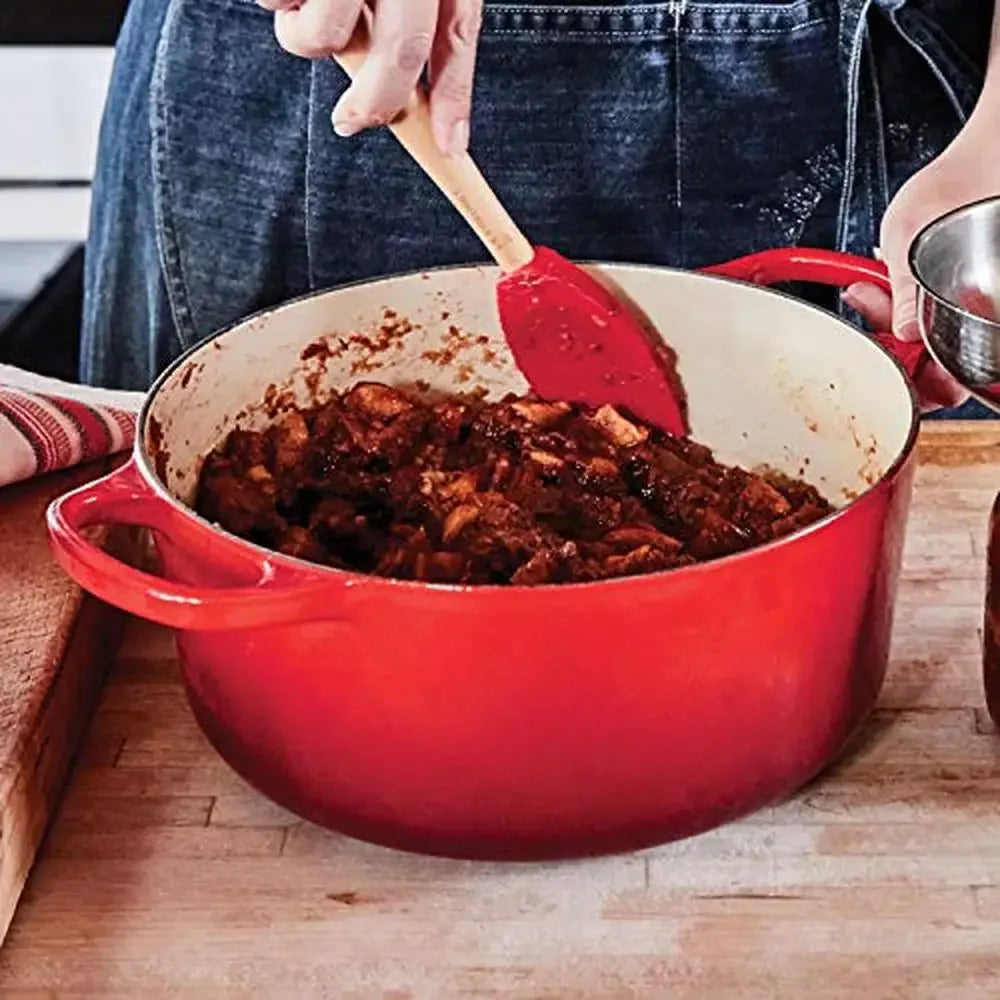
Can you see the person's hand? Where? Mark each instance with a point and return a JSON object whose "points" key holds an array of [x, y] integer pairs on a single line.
{"points": [[935, 387], [407, 36], [965, 172]]}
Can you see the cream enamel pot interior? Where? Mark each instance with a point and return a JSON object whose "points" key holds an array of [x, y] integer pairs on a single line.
{"points": [[527, 722]]}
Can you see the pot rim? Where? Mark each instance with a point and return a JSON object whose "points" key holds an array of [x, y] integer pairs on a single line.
{"points": [[355, 579]]}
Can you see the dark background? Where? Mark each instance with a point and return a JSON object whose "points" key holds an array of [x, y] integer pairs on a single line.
{"points": [[60, 22]]}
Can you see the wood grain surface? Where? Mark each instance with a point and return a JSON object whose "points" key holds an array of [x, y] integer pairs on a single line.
{"points": [[55, 646], [165, 876]]}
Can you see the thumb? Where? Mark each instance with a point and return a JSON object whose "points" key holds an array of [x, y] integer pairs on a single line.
{"points": [[872, 303], [895, 249], [904, 308]]}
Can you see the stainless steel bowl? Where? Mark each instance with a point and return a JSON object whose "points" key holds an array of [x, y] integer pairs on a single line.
{"points": [[956, 261]]}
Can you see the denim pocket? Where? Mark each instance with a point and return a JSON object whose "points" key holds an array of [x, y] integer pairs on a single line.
{"points": [[678, 133], [675, 133], [229, 121]]}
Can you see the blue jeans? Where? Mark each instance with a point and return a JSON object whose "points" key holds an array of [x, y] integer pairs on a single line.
{"points": [[679, 133]]}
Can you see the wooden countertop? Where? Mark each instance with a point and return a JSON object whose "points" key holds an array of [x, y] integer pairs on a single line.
{"points": [[165, 876], [55, 644]]}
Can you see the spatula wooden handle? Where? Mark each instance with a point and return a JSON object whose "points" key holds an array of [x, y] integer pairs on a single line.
{"points": [[458, 177]]}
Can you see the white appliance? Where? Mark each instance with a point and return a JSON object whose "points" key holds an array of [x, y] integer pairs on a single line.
{"points": [[49, 119], [51, 101]]}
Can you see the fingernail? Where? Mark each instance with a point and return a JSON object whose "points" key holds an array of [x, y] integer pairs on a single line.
{"points": [[346, 123], [854, 296], [458, 142]]}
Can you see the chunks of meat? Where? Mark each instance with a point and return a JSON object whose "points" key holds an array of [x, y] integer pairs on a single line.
{"points": [[521, 492], [616, 428], [540, 414], [629, 537], [242, 502], [459, 519], [378, 401], [288, 439]]}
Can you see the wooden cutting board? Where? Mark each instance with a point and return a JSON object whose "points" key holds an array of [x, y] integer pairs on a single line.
{"points": [[55, 643]]}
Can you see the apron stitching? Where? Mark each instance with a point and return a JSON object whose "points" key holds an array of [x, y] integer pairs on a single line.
{"points": [[851, 138], [640, 9], [652, 33], [951, 54], [882, 157], [677, 9], [168, 245], [932, 65], [870, 198], [636, 12], [308, 196]]}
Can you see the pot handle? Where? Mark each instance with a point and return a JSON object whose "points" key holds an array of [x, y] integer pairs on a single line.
{"points": [[824, 267], [124, 498]]}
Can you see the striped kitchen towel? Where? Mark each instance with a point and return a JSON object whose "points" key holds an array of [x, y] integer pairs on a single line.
{"points": [[46, 424]]}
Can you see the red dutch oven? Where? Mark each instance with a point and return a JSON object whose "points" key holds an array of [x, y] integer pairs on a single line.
{"points": [[530, 722]]}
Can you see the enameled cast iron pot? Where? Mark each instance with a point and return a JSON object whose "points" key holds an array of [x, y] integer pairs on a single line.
{"points": [[530, 722]]}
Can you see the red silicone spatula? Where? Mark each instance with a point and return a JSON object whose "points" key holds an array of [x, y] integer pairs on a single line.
{"points": [[571, 338]]}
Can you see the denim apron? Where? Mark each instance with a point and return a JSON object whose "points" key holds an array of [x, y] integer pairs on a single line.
{"points": [[679, 133]]}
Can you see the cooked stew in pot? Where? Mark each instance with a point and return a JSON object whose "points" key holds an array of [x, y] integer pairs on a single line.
{"points": [[513, 492]]}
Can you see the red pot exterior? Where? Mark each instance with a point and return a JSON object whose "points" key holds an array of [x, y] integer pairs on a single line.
{"points": [[522, 722], [564, 721]]}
